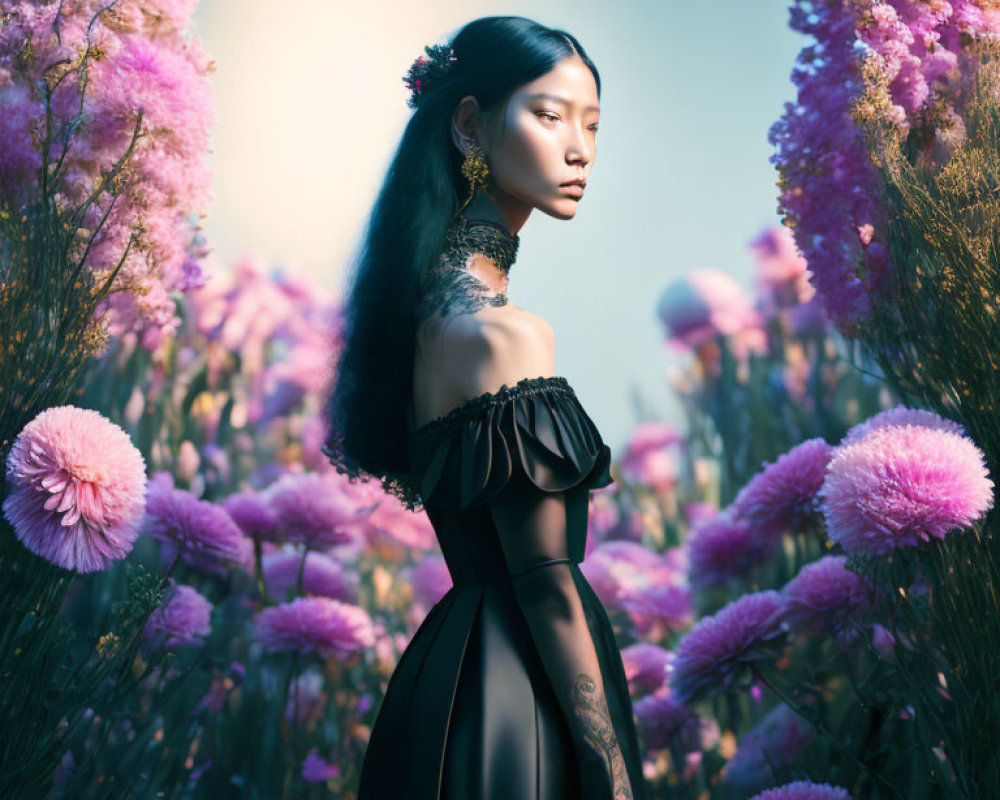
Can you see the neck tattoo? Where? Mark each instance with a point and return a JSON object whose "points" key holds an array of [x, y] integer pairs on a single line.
{"points": [[451, 287]]}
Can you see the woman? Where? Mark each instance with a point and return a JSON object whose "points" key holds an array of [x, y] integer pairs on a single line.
{"points": [[513, 686]]}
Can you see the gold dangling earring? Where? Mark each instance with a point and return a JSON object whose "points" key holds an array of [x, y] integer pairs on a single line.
{"points": [[475, 171]]}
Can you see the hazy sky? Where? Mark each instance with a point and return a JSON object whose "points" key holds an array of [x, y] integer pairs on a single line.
{"points": [[311, 105]]}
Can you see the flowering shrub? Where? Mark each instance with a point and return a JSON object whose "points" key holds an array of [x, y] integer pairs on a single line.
{"points": [[106, 123], [908, 62]]}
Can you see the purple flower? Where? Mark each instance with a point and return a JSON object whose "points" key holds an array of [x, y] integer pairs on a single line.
{"points": [[901, 415], [774, 742], [430, 579], [183, 619], [76, 489], [315, 510], [323, 575], [662, 717], [718, 648], [204, 533], [724, 548], [823, 597], [316, 770], [809, 319], [64, 769], [902, 485], [883, 641], [315, 624], [617, 567], [255, 518], [783, 494], [646, 666], [804, 790]]}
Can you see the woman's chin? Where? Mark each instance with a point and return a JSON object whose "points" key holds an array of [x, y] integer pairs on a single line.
{"points": [[563, 208]]}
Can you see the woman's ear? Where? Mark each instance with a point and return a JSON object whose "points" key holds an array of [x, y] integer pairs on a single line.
{"points": [[465, 124]]}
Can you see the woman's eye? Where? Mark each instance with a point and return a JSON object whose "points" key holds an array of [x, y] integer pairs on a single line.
{"points": [[548, 115]]}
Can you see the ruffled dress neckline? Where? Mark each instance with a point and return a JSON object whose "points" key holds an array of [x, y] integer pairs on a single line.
{"points": [[536, 428], [475, 405]]}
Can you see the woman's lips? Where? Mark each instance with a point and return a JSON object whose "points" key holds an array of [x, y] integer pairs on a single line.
{"points": [[574, 189]]}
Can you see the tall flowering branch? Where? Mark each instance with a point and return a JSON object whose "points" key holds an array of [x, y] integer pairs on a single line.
{"points": [[942, 229], [107, 112], [910, 60]]}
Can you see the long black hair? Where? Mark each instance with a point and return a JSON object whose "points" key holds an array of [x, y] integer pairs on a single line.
{"points": [[366, 414]]}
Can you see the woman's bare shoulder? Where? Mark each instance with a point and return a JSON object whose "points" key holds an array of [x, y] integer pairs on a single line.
{"points": [[496, 345]]}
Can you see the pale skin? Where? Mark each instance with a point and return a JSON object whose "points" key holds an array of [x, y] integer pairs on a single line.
{"points": [[544, 136]]}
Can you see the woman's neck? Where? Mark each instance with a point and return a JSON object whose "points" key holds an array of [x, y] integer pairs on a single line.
{"points": [[473, 269]]}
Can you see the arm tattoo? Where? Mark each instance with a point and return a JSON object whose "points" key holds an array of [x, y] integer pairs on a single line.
{"points": [[592, 710]]}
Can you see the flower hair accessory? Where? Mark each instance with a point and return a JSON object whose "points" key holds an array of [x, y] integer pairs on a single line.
{"points": [[428, 70]]}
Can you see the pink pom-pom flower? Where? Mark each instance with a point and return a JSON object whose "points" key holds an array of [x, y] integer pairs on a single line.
{"points": [[315, 624], [76, 489], [900, 485]]}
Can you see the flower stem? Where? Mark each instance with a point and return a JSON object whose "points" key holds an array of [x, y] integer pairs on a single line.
{"points": [[822, 729]]}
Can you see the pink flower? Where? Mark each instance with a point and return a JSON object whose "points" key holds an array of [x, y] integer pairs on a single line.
{"points": [[251, 512], [901, 415], [658, 609], [650, 458], [144, 64], [699, 511], [646, 666], [392, 524], [306, 697], [77, 489], [831, 195], [782, 274], [616, 568], [705, 303], [902, 485], [316, 509], [315, 624]]}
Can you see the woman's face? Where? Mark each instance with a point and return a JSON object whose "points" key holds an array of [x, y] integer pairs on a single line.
{"points": [[546, 138]]}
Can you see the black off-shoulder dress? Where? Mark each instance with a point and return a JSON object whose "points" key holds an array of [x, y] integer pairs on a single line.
{"points": [[512, 688]]}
